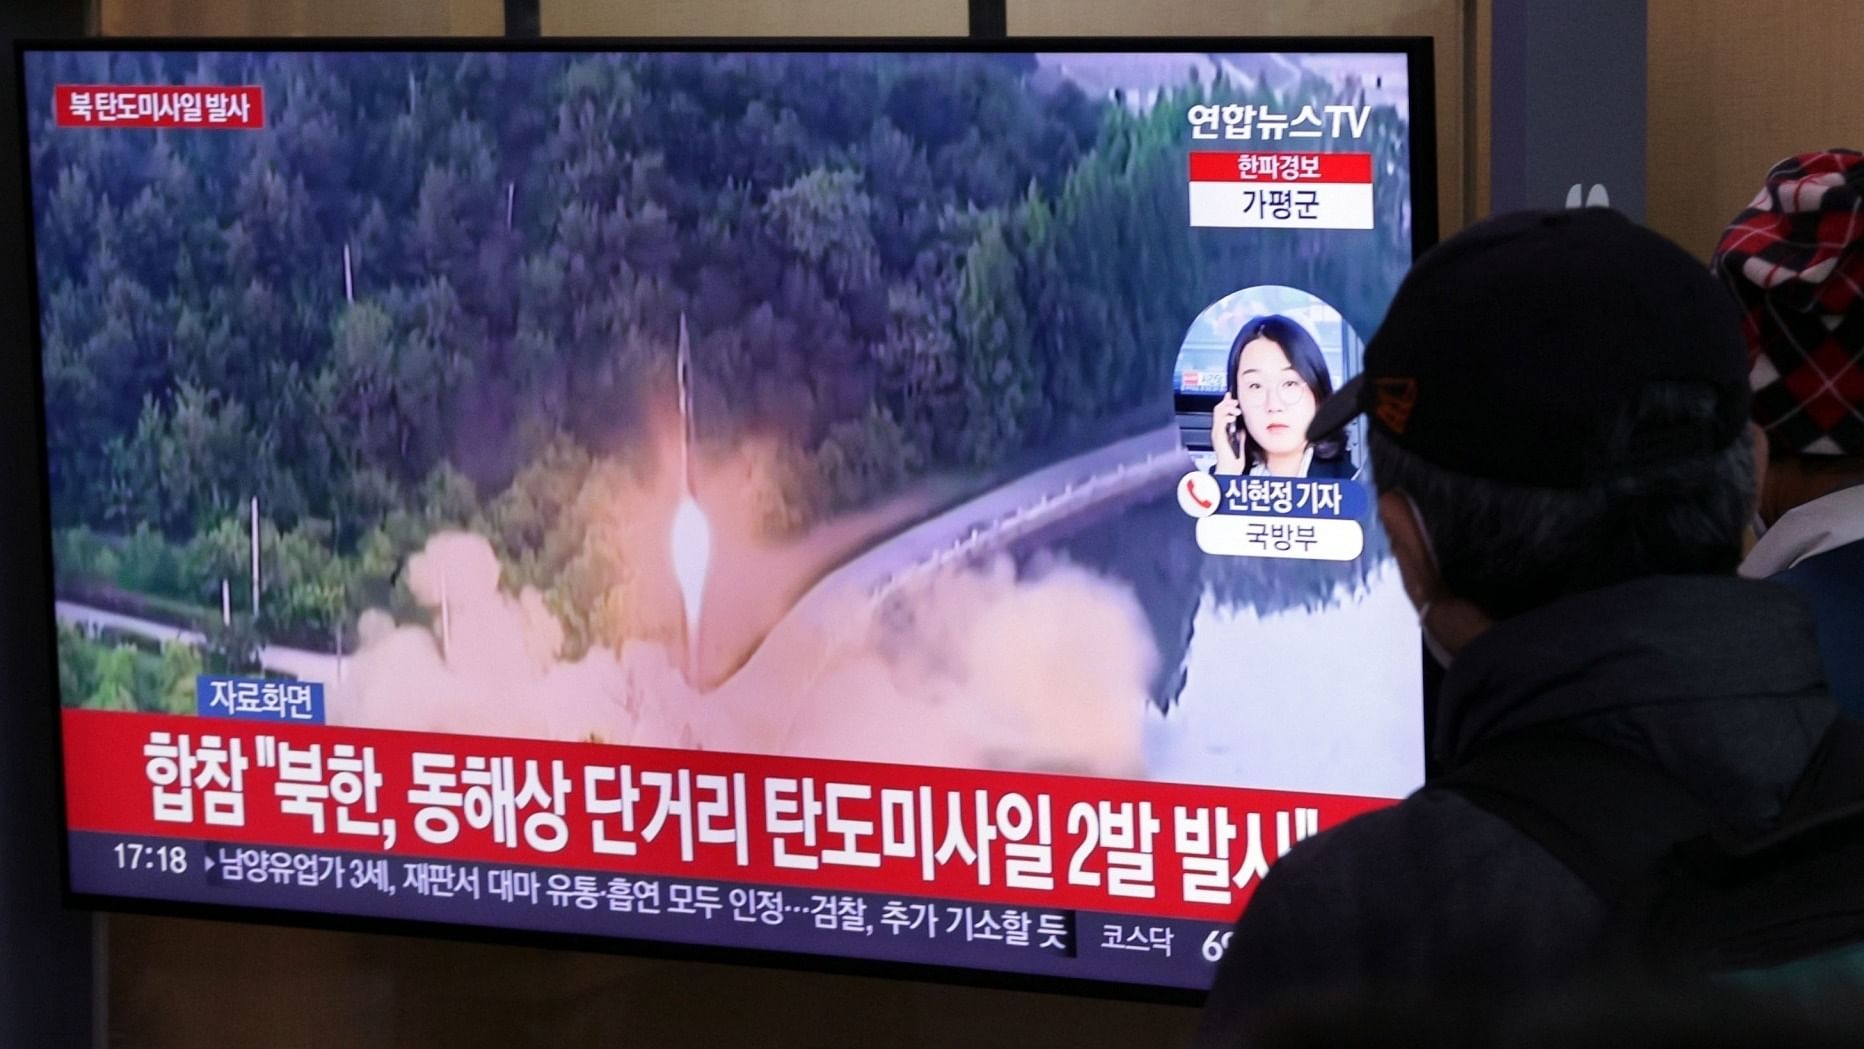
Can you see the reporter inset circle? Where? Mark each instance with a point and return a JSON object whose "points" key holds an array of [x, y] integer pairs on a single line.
{"points": [[1204, 381]]}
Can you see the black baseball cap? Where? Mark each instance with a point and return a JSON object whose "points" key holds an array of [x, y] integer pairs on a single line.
{"points": [[1509, 345]]}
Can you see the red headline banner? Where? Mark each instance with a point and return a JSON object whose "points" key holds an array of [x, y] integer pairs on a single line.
{"points": [[1170, 850], [1355, 168], [106, 105]]}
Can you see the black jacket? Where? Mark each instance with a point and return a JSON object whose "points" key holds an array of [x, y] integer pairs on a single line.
{"points": [[1339, 466], [1718, 680]]}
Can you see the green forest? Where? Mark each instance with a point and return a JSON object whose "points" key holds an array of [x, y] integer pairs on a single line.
{"points": [[438, 290]]}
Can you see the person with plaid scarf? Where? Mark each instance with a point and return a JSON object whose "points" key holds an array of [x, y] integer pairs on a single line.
{"points": [[1795, 260]]}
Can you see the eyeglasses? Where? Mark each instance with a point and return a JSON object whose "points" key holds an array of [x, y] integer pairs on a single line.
{"points": [[1289, 390]]}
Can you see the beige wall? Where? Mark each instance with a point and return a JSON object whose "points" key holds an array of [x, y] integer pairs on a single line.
{"points": [[752, 18], [1736, 86], [300, 17]]}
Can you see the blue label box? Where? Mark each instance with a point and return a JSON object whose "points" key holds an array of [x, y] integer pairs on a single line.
{"points": [[1317, 498], [259, 699]]}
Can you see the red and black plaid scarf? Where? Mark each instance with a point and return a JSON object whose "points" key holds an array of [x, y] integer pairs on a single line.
{"points": [[1795, 258]]}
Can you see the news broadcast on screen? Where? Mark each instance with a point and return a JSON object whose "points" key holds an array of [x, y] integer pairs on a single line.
{"points": [[837, 501]]}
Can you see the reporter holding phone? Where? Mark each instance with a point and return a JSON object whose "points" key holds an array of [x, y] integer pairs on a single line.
{"points": [[1276, 380]]}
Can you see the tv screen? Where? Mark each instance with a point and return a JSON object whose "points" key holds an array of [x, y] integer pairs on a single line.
{"points": [[846, 501]]}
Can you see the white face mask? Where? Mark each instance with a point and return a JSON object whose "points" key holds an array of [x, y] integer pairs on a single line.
{"points": [[1437, 652], [1431, 644]]}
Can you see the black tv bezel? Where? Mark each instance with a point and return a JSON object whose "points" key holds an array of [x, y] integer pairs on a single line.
{"points": [[1420, 63]]}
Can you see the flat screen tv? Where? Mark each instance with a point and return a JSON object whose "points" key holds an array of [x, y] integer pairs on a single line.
{"points": [[833, 503]]}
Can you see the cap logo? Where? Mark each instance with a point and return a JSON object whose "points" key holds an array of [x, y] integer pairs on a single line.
{"points": [[1396, 398]]}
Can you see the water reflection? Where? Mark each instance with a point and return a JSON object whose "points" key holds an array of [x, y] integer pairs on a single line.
{"points": [[1274, 673]]}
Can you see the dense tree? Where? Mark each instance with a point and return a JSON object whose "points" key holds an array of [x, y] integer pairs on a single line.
{"points": [[1001, 372], [443, 290]]}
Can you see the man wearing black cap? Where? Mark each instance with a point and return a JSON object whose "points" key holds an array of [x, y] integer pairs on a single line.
{"points": [[1558, 409]]}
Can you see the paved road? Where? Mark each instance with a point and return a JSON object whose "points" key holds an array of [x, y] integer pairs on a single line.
{"points": [[297, 662], [986, 524], [992, 521]]}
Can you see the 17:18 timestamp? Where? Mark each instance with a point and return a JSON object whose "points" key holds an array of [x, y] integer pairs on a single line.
{"points": [[167, 859]]}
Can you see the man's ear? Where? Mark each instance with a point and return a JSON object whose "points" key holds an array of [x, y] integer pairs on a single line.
{"points": [[1410, 548]]}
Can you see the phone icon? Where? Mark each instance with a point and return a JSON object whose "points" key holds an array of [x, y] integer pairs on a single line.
{"points": [[1198, 493], [1190, 489]]}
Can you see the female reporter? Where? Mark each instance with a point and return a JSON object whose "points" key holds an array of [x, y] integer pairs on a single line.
{"points": [[1277, 379]]}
